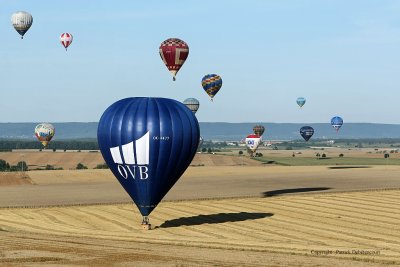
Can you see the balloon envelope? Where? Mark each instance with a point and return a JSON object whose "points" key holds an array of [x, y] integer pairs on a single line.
{"points": [[211, 83], [21, 21], [174, 53], [148, 143], [336, 122], [66, 39], [44, 133], [306, 132], [259, 130], [301, 101], [192, 103], [252, 142]]}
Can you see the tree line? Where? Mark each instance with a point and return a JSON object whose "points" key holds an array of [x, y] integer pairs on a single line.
{"points": [[6, 167], [23, 166], [91, 144]]}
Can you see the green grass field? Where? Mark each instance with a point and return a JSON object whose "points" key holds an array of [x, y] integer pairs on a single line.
{"points": [[308, 161]]}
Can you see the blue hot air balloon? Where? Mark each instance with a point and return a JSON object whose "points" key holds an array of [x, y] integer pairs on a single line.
{"points": [[300, 101], [306, 132], [211, 83], [148, 143], [336, 123]]}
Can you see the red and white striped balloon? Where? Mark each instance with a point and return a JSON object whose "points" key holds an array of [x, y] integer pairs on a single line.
{"points": [[66, 39]]}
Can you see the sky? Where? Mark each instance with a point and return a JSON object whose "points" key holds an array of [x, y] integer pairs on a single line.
{"points": [[341, 55]]}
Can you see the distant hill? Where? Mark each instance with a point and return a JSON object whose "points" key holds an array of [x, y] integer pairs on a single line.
{"points": [[218, 130], [290, 131]]}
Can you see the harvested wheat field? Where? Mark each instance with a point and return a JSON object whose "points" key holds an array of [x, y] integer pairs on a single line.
{"points": [[222, 160], [71, 187], [69, 160], [347, 229], [218, 214], [14, 178], [65, 160]]}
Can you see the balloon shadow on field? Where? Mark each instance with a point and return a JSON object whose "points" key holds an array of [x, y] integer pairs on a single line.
{"points": [[348, 167], [293, 190], [214, 218]]}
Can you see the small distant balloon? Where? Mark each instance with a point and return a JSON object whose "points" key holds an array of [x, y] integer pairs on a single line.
{"points": [[66, 40], [192, 103], [252, 142], [44, 133], [301, 101], [174, 53], [306, 132], [211, 83], [21, 21], [336, 123], [259, 130], [201, 140]]}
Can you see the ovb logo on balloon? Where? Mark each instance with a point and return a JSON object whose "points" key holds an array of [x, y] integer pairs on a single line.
{"points": [[133, 160]]}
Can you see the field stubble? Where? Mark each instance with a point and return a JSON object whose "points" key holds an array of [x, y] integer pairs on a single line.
{"points": [[299, 226], [333, 228]]}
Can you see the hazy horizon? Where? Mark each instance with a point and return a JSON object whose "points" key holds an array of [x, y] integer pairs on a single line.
{"points": [[219, 130], [254, 122]]}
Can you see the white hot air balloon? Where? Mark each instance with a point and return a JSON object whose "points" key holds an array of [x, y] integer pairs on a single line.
{"points": [[252, 142], [66, 39], [21, 21], [201, 141], [192, 103], [44, 133]]}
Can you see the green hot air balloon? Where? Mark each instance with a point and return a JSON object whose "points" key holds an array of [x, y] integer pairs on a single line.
{"points": [[301, 101]]}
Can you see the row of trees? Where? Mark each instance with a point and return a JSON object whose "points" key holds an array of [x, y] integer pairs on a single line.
{"points": [[6, 167], [207, 150], [80, 166], [90, 144], [23, 166], [257, 154]]}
